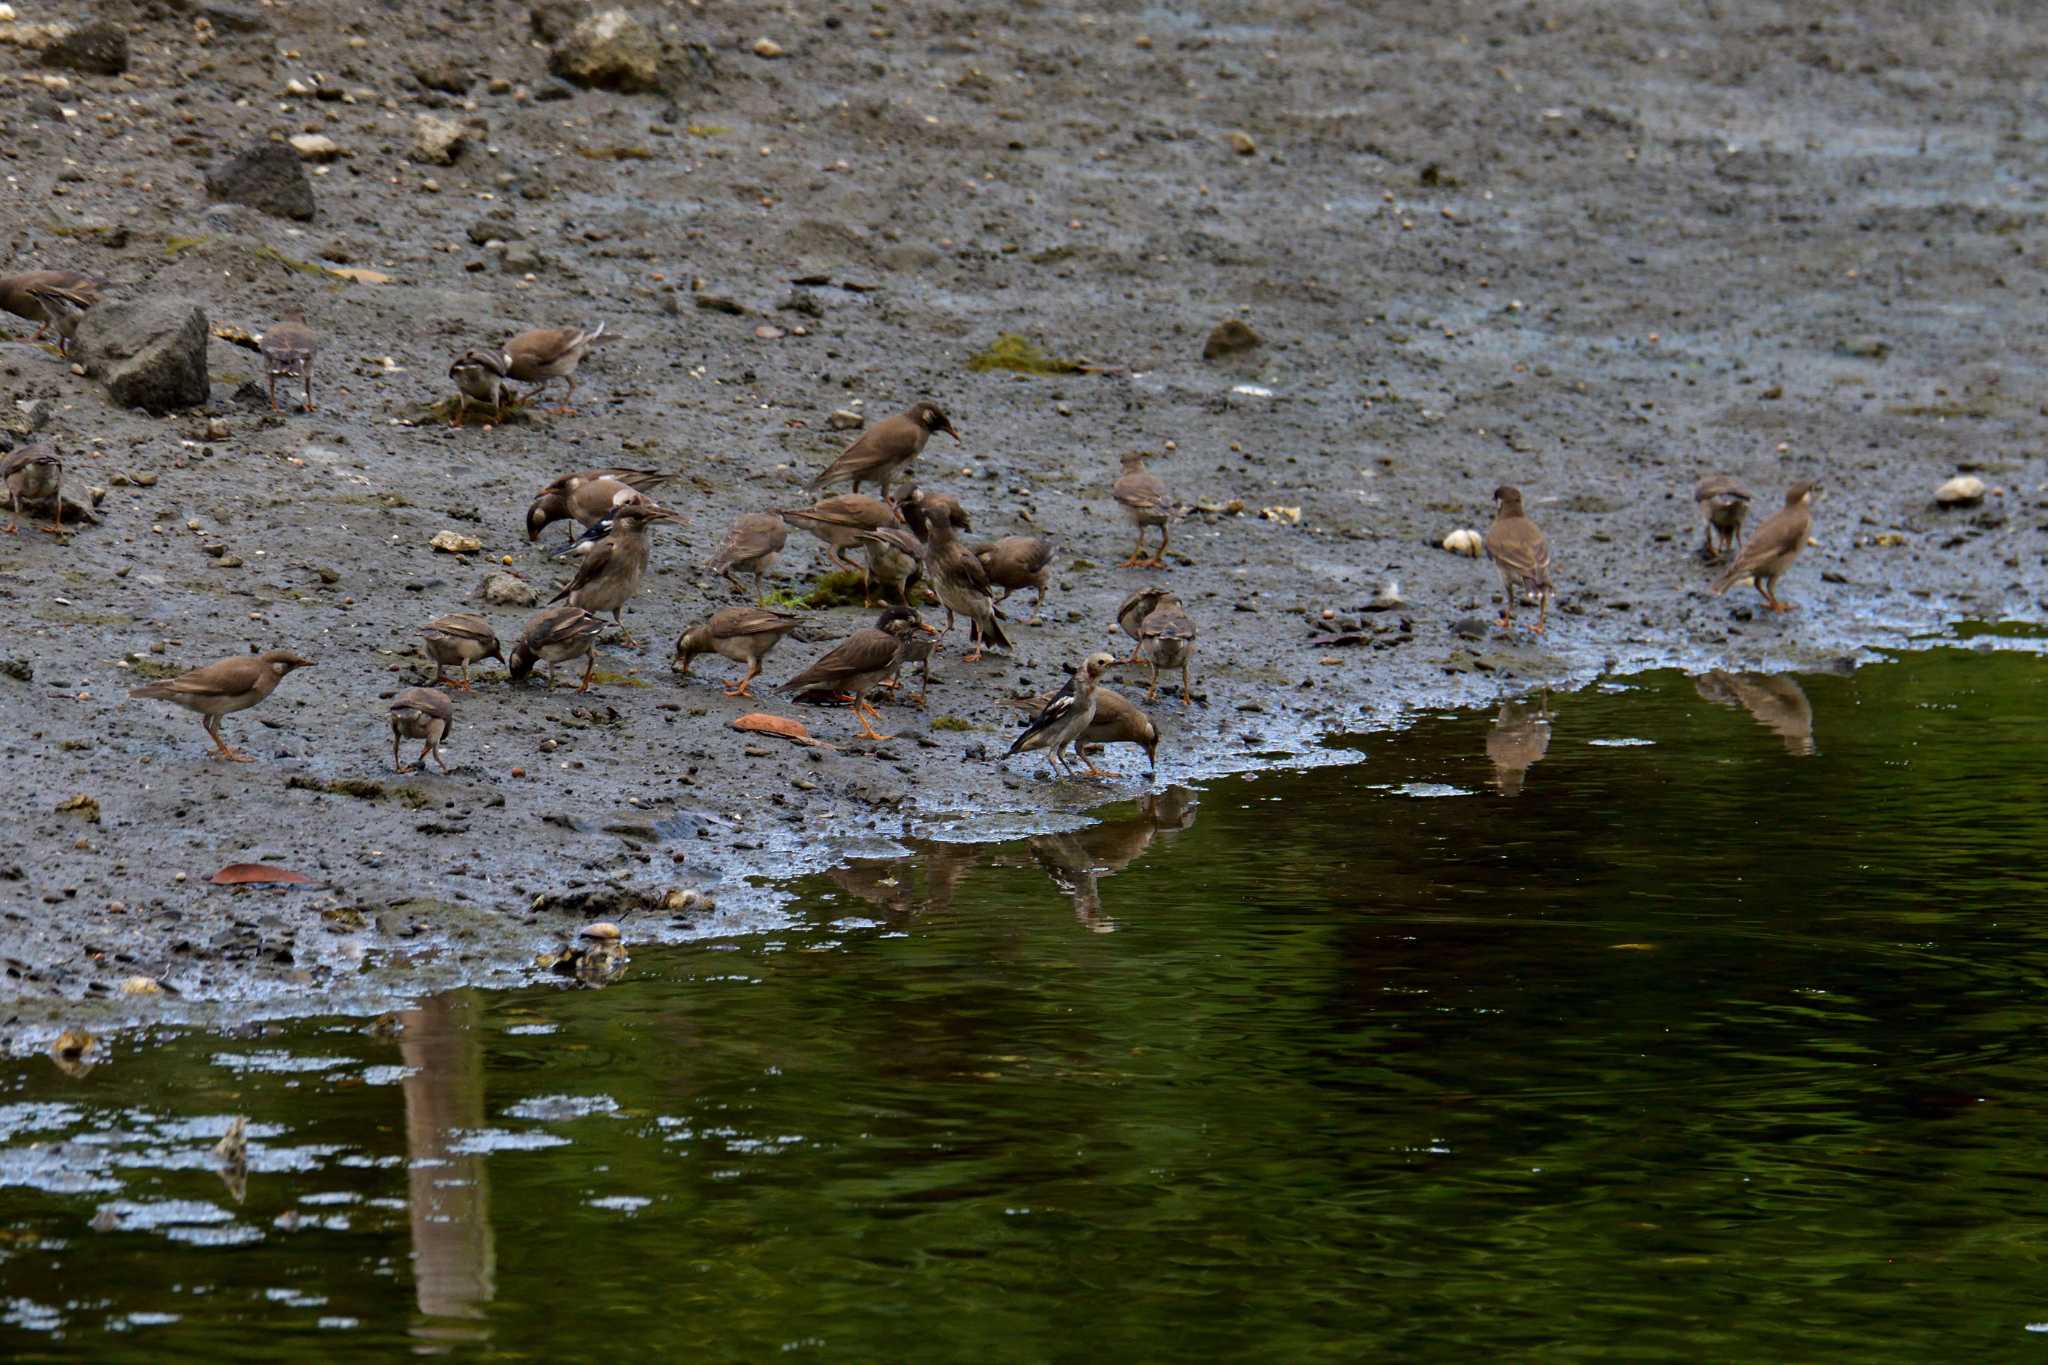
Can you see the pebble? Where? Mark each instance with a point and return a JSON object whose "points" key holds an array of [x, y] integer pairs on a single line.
{"points": [[141, 985], [436, 140], [1465, 541], [456, 543], [767, 47], [509, 590], [844, 420], [1964, 490], [145, 479], [316, 147], [1242, 144]]}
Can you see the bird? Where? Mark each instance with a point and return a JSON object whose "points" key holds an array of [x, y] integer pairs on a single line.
{"points": [[288, 351], [853, 666], [459, 640], [1773, 546], [1016, 562], [1522, 554], [1131, 614], [918, 648], [424, 714], [1518, 740], [1723, 504], [542, 356], [586, 496], [224, 687], [556, 635], [1063, 720], [745, 635], [34, 474], [42, 295], [838, 521], [896, 560], [479, 377], [1117, 721], [1143, 496], [1166, 639], [885, 448], [957, 576], [609, 576], [751, 546]]}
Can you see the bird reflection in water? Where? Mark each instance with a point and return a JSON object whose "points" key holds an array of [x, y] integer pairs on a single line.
{"points": [[1519, 739], [1776, 700], [454, 1257], [1077, 862]]}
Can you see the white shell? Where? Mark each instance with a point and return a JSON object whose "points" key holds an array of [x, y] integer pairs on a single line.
{"points": [[1960, 491], [1465, 541]]}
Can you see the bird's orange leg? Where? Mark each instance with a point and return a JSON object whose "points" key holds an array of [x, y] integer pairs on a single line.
{"points": [[1137, 555], [860, 710], [232, 755], [753, 672], [589, 668]]}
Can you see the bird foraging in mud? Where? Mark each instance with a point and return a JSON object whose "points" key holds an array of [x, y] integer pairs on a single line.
{"points": [[553, 636], [1143, 496], [853, 666], [839, 521], [957, 576], [1166, 639], [1774, 546], [1117, 721], [222, 688], [1723, 504], [47, 297], [542, 356], [288, 350], [458, 640], [424, 714], [745, 635], [587, 497], [750, 547], [885, 448], [480, 377], [1063, 720], [1016, 562], [609, 576], [34, 475], [1522, 554]]}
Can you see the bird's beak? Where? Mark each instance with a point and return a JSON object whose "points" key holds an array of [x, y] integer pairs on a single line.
{"points": [[928, 628], [952, 433]]}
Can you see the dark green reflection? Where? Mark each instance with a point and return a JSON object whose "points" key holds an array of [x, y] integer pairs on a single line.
{"points": [[1722, 1046]]}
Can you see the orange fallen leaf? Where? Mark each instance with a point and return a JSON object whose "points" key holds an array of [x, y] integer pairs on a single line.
{"points": [[257, 874], [761, 723]]}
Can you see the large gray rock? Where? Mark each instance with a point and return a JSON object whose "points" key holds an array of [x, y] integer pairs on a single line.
{"points": [[151, 354], [97, 49], [267, 178], [609, 51]]}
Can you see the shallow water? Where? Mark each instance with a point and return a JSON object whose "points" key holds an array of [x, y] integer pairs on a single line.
{"points": [[1670, 1019]]}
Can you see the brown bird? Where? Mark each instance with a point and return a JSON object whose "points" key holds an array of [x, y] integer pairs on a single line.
{"points": [[42, 296], [457, 641], [610, 575], [1166, 639], [1519, 739], [957, 576], [222, 688], [587, 496], [479, 377], [546, 354], [34, 474], [556, 635], [853, 666], [1774, 546], [1143, 496], [743, 634], [424, 714], [1117, 721], [288, 351], [839, 522], [1522, 554], [884, 448], [1131, 614], [1723, 505], [751, 546], [1063, 720], [1016, 562]]}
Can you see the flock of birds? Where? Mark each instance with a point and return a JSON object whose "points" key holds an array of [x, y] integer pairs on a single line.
{"points": [[910, 540]]}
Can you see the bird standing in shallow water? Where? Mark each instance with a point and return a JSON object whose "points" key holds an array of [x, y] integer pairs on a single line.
{"points": [[1522, 554], [1063, 720], [885, 448], [223, 688], [1774, 546]]}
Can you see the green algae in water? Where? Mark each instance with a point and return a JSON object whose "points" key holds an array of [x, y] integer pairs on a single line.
{"points": [[1013, 351]]}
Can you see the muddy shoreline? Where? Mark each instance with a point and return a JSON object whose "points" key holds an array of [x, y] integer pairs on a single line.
{"points": [[1595, 254]]}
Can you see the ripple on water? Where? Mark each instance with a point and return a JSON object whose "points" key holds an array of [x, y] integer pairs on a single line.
{"points": [[484, 1141], [557, 1108], [621, 1203], [277, 1062]]}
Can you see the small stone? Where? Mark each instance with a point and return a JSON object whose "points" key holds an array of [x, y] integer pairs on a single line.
{"points": [[98, 49], [145, 479], [1964, 490], [604, 931], [437, 141], [267, 178], [1230, 337], [768, 331], [508, 590], [609, 51], [521, 258], [316, 147], [768, 48], [141, 985], [216, 428], [456, 543], [845, 420], [443, 72], [1242, 144], [1465, 542], [82, 806]]}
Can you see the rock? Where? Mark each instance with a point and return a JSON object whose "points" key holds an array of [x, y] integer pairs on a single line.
{"points": [[767, 47], [604, 931], [552, 19], [521, 258], [444, 73], [683, 900], [81, 805], [456, 543], [98, 49], [1242, 144], [1465, 542], [1964, 490], [609, 51], [268, 179], [316, 147], [844, 420], [1230, 337], [150, 353], [436, 140], [232, 18], [495, 226], [141, 985], [508, 590]]}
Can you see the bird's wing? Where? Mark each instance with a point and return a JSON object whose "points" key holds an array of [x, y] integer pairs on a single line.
{"points": [[1052, 713], [752, 621], [229, 677], [865, 651], [886, 443], [1519, 547], [1782, 535], [593, 565], [1140, 490]]}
